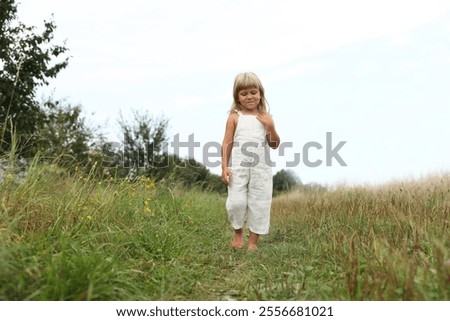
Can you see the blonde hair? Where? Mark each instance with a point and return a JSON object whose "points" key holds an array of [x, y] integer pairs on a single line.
{"points": [[248, 80]]}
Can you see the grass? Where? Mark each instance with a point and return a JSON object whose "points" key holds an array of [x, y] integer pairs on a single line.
{"points": [[71, 237]]}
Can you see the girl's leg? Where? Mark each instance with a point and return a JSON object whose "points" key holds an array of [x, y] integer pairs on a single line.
{"points": [[259, 200], [238, 239], [237, 205], [253, 241]]}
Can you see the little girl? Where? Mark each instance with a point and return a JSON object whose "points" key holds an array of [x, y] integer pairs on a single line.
{"points": [[246, 167]]}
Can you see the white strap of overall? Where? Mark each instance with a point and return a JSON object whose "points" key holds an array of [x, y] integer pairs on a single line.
{"points": [[238, 112]]}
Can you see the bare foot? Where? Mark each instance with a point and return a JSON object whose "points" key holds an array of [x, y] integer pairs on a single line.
{"points": [[238, 239], [253, 241]]}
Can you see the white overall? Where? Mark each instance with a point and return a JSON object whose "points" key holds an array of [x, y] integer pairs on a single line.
{"points": [[250, 188]]}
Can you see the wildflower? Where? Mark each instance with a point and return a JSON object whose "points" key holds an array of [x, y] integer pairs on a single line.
{"points": [[149, 184]]}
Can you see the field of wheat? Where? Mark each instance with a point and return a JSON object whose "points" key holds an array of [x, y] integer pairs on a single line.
{"points": [[71, 237]]}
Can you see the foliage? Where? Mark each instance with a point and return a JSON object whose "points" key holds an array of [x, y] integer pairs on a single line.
{"points": [[191, 173], [72, 237], [145, 153], [64, 134], [143, 143], [27, 61], [285, 180]]}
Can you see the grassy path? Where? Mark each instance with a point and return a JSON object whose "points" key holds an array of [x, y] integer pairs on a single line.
{"points": [[73, 238]]}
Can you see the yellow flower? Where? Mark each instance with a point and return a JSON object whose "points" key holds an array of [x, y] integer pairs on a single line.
{"points": [[148, 183]]}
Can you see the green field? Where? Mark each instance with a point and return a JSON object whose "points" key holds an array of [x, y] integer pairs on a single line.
{"points": [[71, 237]]}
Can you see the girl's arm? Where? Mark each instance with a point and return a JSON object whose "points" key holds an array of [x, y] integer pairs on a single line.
{"points": [[273, 139], [227, 146]]}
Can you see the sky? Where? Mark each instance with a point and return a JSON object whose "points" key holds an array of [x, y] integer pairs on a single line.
{"points": [[361, 83]]}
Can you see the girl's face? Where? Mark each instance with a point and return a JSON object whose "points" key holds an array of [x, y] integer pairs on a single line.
{"points": [[249, 98]]}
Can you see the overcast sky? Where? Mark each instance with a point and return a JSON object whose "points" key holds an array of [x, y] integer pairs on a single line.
{"points": [[374, 74]]}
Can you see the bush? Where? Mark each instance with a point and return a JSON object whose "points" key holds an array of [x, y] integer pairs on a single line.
{"points": [[285, 180]]}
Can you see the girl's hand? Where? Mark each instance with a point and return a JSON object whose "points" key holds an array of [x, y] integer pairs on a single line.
{"points": [[271, 134], [267, 121], [226, 175]]}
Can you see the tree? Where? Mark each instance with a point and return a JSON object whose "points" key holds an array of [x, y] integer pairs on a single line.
{"points": [[143, 144], [63, 133], [27, 62], [144, 154], [190, 173], [285, 180]]}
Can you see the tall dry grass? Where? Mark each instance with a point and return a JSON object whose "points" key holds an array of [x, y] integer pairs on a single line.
{"points": [[383, 243]]}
